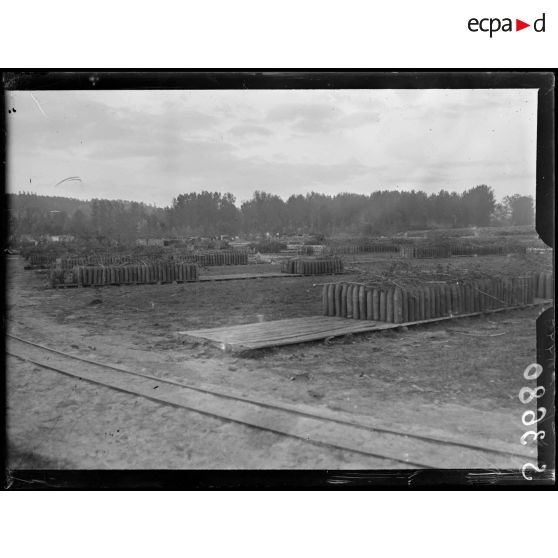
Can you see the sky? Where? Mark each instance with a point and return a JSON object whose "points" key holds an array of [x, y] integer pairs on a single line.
{"points": [[151, 146]]}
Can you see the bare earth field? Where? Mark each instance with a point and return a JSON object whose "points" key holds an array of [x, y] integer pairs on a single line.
{"points": [[459, 379]]}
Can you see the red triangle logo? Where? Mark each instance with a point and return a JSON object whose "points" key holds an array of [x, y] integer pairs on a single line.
{"points": [[519, 25]]}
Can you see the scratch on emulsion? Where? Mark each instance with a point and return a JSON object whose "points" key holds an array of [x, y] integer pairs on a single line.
{"points": [[38, 105]]}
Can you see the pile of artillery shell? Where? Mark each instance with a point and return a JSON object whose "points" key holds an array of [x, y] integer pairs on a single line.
{"points": [[303, 266], [380, 248], [400, 305], [458, 249], [69, 262], [543, 284], [42, 259], [134, 274], [219, 257], [425, 251]]}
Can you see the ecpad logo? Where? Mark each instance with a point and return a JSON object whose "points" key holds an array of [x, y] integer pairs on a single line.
{"points": [[493, 25]]}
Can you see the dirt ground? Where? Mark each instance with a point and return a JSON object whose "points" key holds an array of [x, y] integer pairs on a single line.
{"points": [[458, 379]]}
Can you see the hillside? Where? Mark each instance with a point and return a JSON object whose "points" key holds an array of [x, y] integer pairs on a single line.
{"points": [[27, 200]]}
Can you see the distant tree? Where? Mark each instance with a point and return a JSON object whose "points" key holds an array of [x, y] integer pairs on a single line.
{"points": [[478, 205], [521, 209], [79, 225], [501, 215], [296, 212], [264, 213], [228, 215], [205, 213], [212, 214], [56, 222]]}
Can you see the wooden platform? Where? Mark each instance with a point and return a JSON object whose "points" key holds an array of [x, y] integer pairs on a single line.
{"points": [[230, 277], [100, 285], [277, 333], [239, 276], [280, 332]]}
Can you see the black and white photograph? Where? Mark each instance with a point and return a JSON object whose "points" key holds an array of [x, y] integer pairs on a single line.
{"points": [[272, 272]]}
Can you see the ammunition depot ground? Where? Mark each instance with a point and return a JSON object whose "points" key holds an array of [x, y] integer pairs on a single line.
{"points": [[457, 380]]}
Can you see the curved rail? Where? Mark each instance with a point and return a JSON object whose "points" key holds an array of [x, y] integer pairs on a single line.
{"points": [[264, 404]]}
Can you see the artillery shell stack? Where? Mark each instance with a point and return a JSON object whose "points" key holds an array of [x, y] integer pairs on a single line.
{"points": [[41, 260], [371, 248], [219, 257], [425, 252], [303, 266], [85, 276], [400, 305], [543, 285]]}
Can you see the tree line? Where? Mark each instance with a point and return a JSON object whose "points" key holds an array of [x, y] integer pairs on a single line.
{"points": [[211, 214]]}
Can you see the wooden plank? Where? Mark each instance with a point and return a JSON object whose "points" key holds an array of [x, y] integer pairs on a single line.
{"points": [[241, 276], [300, 330], [280, 334], [276, 336], [242, 337], [283, 330], [286, 324]]}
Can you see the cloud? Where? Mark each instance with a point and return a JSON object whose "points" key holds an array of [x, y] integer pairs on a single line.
{"points": [[315, 118], [356, 119], [153, 145], [250, 130], [197, 164], [102, 129], [191, 158], [301, 174], [300, 111]]}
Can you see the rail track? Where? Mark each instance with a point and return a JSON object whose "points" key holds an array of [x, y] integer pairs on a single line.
{"points": [[322, 429]]}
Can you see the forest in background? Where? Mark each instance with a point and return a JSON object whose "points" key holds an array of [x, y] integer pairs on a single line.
{"points": [[212, 214]]}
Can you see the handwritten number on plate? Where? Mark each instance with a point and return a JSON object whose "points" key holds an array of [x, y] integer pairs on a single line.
{"points": [[531, 466], [533, 420], [527, 394], [528, 375]]}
